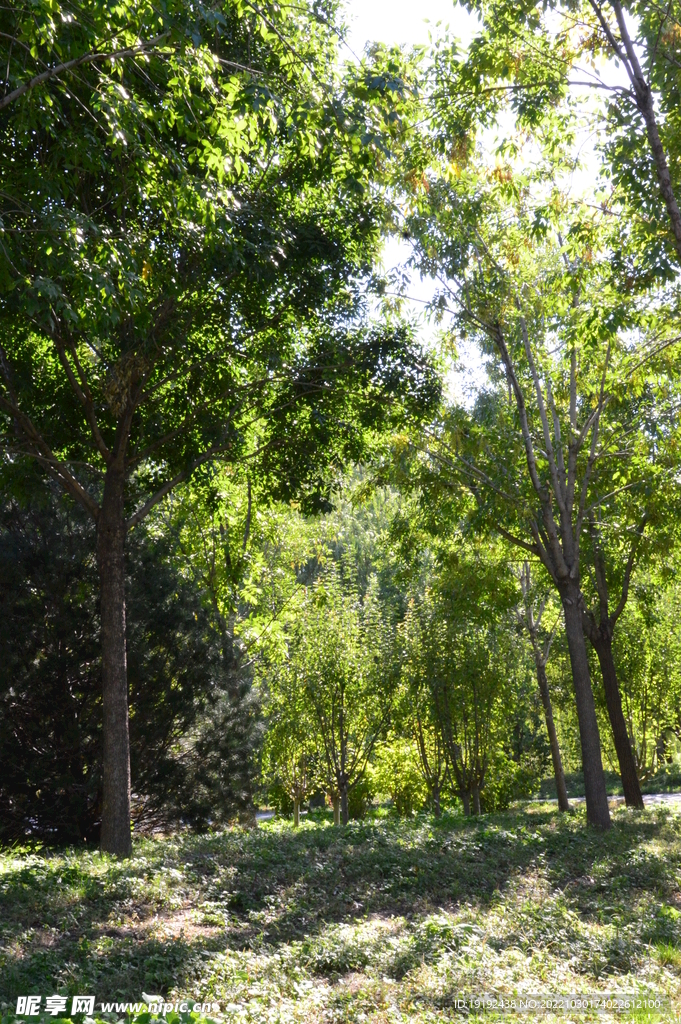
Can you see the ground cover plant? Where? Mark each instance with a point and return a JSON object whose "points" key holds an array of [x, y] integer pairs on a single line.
{"points": [[386, 919], [264, 544]]}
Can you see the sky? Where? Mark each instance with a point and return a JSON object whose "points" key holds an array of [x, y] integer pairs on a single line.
{"points": [[402, 21], [408, 22]]}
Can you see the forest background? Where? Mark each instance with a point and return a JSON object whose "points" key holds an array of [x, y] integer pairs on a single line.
{"points": [[262, 542]]}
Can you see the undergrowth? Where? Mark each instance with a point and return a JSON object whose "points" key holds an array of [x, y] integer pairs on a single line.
{"points": [[385, 920]]}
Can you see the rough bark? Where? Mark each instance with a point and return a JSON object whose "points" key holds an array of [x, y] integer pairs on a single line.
{"points": [[466, 799], [437, 811], [600, 630], [296, 813], [558, 773], [345, 816], [602, 643], [556, 535], [597, 812], [476, 800], [115, 833]]}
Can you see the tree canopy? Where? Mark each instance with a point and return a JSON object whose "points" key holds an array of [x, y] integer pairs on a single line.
{"points": [[260, 544]]}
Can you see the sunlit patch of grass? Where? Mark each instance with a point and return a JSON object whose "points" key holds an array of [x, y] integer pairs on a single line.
{"points": [[386, 920]]}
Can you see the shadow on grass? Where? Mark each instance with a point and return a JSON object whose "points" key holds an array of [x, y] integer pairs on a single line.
{"points": [[78, 922]]}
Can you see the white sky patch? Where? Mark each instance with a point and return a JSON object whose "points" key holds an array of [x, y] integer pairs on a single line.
{"points": [[408, 23], [404, 22]]}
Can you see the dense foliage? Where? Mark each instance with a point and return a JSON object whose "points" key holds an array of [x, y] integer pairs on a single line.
{"points": [[186, 691], [296, 563]]}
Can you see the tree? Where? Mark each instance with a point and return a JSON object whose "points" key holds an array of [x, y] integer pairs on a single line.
{"points": [[290, 752], [645, 649], [531, 618], [340, 655], [50, 678], [397, 772], [185, 233], [431, 756], [539, 54], [600, 628], [455, 649], [529, 299]]}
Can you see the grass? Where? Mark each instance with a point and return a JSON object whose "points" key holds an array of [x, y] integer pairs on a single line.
{"points": [[387, 920]]}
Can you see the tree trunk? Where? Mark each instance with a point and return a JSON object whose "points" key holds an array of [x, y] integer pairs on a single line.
{"points": [[558, 774], [643, 96], [476, 799], [296, 813], [597, 812], [344, 804], [602, 644], [115, 832], [436, 800], [466, 798], [336, 809]]}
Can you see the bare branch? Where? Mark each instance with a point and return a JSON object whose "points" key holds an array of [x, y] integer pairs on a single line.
{"points": [[170, 484], [592, 454], [88, 58], [43, 454], [532, 548], [550, 455], [247, 527], [627, 572], [83, 394]]}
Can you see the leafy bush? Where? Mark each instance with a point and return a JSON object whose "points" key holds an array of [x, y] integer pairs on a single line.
{"points": [[397, 773], [360, 797], [508, 779]]}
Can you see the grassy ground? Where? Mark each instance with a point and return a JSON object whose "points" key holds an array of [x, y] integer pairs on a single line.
{"points": [[383, 921]]}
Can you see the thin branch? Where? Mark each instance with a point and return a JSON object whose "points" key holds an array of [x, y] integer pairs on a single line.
{"points": [[627, 572], [83, 394], [88, 58]]}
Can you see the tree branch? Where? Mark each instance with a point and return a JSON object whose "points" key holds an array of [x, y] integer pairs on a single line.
{"points": [[42, 453], [627, 572], [88, 58], [83, 394]]}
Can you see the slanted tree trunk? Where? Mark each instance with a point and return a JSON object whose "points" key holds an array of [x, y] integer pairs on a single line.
{"points": [[600, 631], [597, 812], [601, 640], [115, 834], [532, 618], [558, 774]]}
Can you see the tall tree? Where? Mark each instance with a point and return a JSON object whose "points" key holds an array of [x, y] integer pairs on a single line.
{"points": [[529, 300], [179, 675], [531, 617], [186, 228], [455, 637], [342, 665]]}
